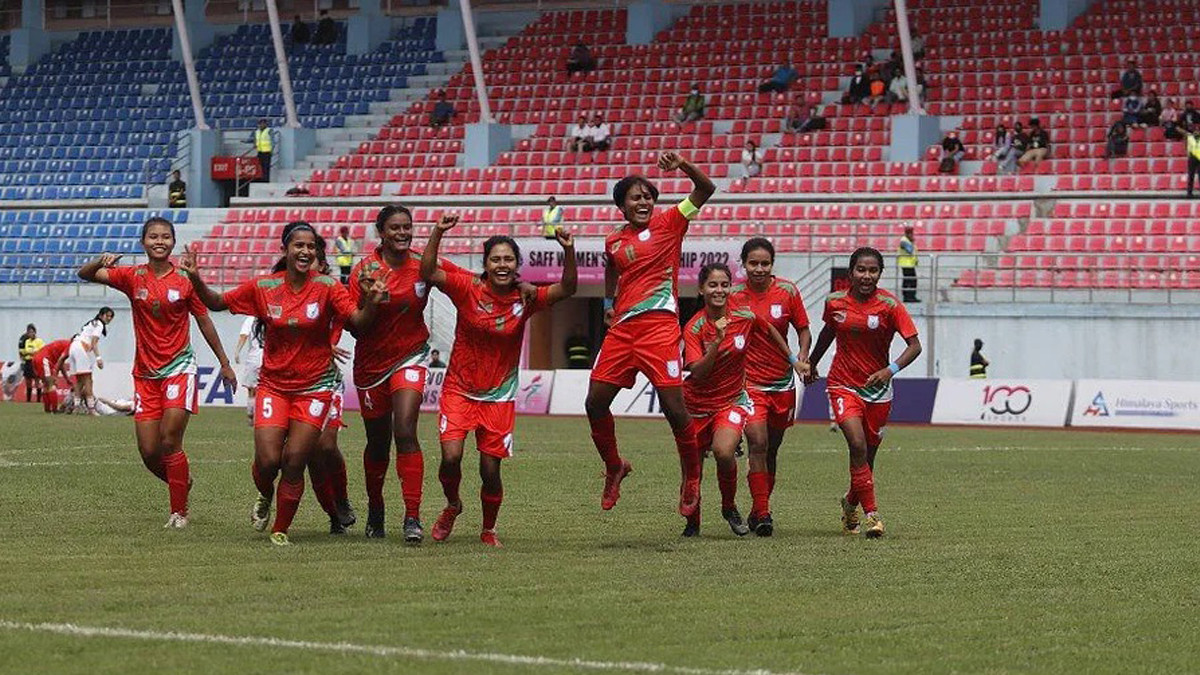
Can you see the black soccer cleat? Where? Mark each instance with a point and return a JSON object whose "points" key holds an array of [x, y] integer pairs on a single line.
{"points": [[736, 524], [335, 526], [413, 532], [346, 514], [692, 529], [763, 527], [374, 528]]}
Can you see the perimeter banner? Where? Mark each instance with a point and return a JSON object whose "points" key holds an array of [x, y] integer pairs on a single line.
{"points": [[1142, 404], [544, 259], [1034, 403]]}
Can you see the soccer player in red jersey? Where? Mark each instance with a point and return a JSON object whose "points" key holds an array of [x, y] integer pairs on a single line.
{"points": [[389, 371], [164, 369], [769, 379], [48, 363], [300, 308], [863, 320], [480, 388], [716, 352], [642, 274]]}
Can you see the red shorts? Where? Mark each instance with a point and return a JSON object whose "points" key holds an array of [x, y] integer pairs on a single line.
{"points": [[492, 422], [152, 397], [847, 404], [648, 343], [376, 402], [776, 408], [734, 417], [273, 409]]}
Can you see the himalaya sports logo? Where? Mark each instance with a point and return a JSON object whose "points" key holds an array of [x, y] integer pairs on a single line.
{"points": [[1098, 408], [530, 390]]}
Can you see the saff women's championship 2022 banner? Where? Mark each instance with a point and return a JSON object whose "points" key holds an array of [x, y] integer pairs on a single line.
{"points": [[544, 260]]}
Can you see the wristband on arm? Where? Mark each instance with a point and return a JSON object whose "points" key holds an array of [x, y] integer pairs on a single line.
{"points": [[608, 304], [894, 367]]}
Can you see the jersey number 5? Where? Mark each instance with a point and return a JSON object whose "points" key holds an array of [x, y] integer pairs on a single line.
{"points": [[266, 407]]}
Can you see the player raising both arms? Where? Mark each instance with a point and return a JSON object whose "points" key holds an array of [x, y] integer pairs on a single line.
{"points": [[863, 321], [164, 370], [768, 375], [298, 377], [642, 274], [716, 352], [479, 392]]}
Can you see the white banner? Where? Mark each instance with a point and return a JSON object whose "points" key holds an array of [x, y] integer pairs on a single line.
{"points": [[1036, 403], [1146, 404], [115, 381], [570, 391]]}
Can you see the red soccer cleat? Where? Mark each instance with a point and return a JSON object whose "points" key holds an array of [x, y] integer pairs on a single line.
{"points": [[489, 537], [612, 485], [445, 523], [689, 497]]}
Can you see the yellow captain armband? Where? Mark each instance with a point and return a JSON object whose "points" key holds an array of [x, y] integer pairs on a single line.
{"points": [[688, 209]]}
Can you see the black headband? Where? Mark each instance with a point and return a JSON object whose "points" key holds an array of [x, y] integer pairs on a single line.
{"points": [[290, 230]]}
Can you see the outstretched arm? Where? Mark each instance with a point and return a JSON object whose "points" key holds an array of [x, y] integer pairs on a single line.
{"points": [[702, 185], [430, 271], [204, 322], [211, 299], [610, 288], [97, 269], [566, 287]]}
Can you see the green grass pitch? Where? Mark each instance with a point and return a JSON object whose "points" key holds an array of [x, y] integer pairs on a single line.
{"points": [[1007, 551]]}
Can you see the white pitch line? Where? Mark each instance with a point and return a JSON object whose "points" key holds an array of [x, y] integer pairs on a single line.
{"points": [[370, 650]]}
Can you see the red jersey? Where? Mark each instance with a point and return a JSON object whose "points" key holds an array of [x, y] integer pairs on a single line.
{"points": [[726, 382], [647, 262], [399, 337], [52, 352], [161, 308], [299, 325], [487, 337], [864, 333], [781, 306]]}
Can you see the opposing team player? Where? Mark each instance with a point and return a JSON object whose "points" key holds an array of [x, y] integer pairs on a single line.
{"points": [[640, 287], [479, 392], [161, 298], [769, 378], [863, 321]]}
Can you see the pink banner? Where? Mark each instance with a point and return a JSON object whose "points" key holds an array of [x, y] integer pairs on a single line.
{"points": [[544, 259], [533, 391]]}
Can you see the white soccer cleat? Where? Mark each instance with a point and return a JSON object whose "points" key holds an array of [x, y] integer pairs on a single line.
{"points": [[260, 514], [177, 521]]}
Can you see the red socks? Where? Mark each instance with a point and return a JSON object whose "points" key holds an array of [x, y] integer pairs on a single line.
{"points": [[286, 503], [604, 435], [491, 508], [264, 483], [176, 467], [338, 478], [862, 487], [689, 453], [50, 401], [450, 475], [410, 468], [375, 472], [760, 492], [323, 489], [727, 481]]}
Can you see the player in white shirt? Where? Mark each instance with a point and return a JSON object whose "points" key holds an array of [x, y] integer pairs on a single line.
{"points": [[248, 337], [10, 379], [84, 357]]}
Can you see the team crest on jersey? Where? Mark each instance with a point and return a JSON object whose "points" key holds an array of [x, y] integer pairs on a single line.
{"points": [[644, 235], [673, 368], [411, 375], [172, 295], [419, 289], [275, 311], [172, 392], [739, 342], [315, 407], [776, 311], [735, 417], [143, 294], [312, 310], [518, 309], [839, 316], [873, 321]]}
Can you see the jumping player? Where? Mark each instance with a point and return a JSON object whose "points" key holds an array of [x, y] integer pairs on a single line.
{"points": [[161, 299], [716, 348], [641, 278], [48, 363], [769, 378], [479, 392], [298, 377], [863, 320]]}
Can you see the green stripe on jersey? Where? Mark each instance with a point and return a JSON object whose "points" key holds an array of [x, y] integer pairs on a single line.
{"points": [[784, 383], [330, 380], [415, 358], [507, 391], [661, 298], [183, 362]]}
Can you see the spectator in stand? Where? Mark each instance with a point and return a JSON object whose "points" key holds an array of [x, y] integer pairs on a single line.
{"points": [[1131, 110], [783, 78], [693, 107], [859, 87], [552, 219], [1118, 141], [327, 30], [1039, 144], [918, 45], [300, 32], [1151, 110], [1193, 150], [177, 191], [1169, 119], [443, 111], [1190, 119], [1020, 140], [898, 89], [1131, 81], [581, 60], [1003, 152], [979, 364], [952, 153], [579, 134], [751, 161], [435, 359], [599, 134], [906, 260], [801, 122], [876, 90]]}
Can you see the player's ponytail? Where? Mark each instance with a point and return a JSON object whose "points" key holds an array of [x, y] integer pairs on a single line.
{"points": [[96, 319], [258, 331]]}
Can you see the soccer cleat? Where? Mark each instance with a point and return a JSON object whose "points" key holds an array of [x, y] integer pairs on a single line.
{"points": [[689, 497], [692, 529], [413, 532], [346, 514], [261, 513], [374, 528], [280, 539], [489, 537], [336, 526], [177, 521], [849, 517], [763, 527], [612, 485], [873, 526], [445, 522], [736, 524]]}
